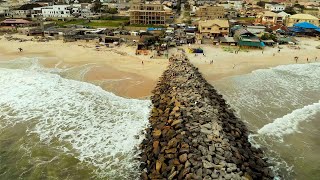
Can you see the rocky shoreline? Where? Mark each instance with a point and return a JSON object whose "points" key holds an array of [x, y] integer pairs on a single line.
{"points": [[193, 133]]}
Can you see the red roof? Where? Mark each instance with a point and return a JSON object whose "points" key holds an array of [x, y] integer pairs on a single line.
{"points": [[15, 21]]}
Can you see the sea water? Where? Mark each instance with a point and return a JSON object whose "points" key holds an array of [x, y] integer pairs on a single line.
{"points": [[54, 127], [281, 107]]}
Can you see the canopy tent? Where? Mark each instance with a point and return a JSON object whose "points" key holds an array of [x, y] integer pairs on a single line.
{"points": [[304, 27]]}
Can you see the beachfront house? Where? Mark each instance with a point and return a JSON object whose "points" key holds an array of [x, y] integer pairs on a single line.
{"points": [[214, 28], [55, 11], [268, 18], [297, 18], [247, 39]]}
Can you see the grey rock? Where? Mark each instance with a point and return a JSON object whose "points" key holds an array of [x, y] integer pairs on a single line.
{"points": [[208, 126], [220, 157], [205, 131], [209, 157], [199, 172], [214, 175], [211, 149], [203, 150], [228, 176]]}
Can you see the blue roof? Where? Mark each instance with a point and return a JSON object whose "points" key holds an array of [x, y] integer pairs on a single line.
{"points": [[154, 29], [306, 25]]}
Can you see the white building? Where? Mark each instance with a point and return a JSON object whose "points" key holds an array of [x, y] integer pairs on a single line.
{"points": [[62, 11], [275, 7], [55, 11], [233, 4]]}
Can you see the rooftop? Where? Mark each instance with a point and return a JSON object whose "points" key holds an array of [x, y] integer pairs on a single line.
{"points": [[219, 22], [304, 16]]}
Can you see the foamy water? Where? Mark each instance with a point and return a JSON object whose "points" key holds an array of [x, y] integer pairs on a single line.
{"points": [[289, 123], [78, 119], [281, 105]]}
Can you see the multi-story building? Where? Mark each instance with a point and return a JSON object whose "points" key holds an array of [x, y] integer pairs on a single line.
{"points": [[210, 12], [141, 13], [269, 18], [214, 28], [297, 18]]}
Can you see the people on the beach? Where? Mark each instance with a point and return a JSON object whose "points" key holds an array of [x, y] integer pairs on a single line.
{"points": [[142, 62], [278, 50], [296, 58], [307, 59], [20, 49], [315, 59]]}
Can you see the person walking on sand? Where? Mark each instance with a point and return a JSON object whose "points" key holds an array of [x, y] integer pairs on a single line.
{"points": [[308, 60], [296, 59], [278, 50], [142, 62], [20, 49]]}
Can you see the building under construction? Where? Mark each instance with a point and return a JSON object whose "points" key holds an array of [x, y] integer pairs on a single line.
{"points": [[141, 13], [208, 12]]}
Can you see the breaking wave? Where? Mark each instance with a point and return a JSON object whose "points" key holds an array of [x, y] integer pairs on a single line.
{"points": [[97, 127], [289, 123]]}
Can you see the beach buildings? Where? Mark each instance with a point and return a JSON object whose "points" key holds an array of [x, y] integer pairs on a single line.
{"points": [[214, 28], [62, 11], [15, 22], [269, 18], [55, 11], [210, 12], [24, 11], [141, 13], [247, 39], [302, 18]]}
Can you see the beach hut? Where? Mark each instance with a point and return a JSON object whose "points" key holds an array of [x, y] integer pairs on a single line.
{"points": [[247, 39]]}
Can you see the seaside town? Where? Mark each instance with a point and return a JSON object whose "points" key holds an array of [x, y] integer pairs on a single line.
{"points": [[154, 27], [169, 89]]}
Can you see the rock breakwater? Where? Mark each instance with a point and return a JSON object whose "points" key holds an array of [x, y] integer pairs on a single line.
{"points": [[193, 133]]}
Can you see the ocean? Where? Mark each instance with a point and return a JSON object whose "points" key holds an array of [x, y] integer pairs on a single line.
{"points": [[281, 107], [55, 126]]}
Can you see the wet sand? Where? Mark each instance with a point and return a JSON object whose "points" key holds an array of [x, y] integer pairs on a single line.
{"points": [[120, 71]]}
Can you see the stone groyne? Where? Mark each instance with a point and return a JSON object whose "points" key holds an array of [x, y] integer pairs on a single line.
{"points": [[193, 134]]}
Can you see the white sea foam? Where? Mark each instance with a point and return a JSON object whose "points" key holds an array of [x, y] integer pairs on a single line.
{"points": [[100, 126], [289, 123]]}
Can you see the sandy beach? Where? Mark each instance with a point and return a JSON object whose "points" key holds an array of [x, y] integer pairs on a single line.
{"points": [[120, 71]]}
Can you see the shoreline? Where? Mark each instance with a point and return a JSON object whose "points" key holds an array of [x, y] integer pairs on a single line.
{"points": [[120, 71]]}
